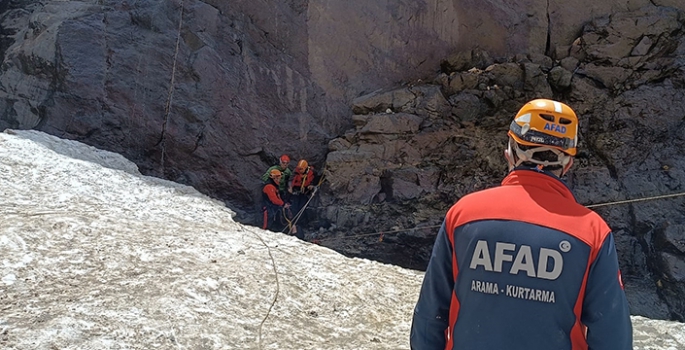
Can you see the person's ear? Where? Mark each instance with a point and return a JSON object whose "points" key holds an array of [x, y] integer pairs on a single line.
{"points": [[509, 156], [567, 167]]}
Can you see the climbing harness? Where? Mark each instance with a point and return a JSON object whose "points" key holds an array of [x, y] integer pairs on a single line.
{"points": [[283, 220], [303, 178]]}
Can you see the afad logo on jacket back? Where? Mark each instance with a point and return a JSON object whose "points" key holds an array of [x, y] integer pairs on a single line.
{"points": [[521, 259]]}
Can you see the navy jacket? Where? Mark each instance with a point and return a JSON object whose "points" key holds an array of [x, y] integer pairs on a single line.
{"points": [[522, 266]]}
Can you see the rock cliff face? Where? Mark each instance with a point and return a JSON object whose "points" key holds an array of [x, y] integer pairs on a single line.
{"points": [[210, 93], [416, 149]]}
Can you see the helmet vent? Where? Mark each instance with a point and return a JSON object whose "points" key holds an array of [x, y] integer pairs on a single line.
{"points": [[547, 117], [565, 121]]}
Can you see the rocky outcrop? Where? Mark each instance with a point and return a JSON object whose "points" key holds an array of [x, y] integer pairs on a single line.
{"points": [[416, 149]]}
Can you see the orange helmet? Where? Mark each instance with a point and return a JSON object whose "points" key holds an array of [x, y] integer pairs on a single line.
{"points": [[285, 159], [274, 173], [546, 123], [301, 166]]}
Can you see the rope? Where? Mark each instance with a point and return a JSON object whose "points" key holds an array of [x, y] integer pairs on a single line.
{"points": [[278, 285], [167, 106], [301, 211], [636, 200], [382, 233], [292, 224], [297, 216], [304, 180], [284, 214]]}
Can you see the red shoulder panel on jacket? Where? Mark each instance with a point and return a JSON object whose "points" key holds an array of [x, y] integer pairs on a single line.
{"points": [[534, 198]]}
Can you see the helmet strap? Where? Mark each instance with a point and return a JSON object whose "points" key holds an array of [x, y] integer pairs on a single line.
{"points": [[523, 156]]}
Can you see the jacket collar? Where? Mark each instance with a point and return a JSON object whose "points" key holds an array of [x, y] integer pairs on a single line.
{"points": [[527, 176]]}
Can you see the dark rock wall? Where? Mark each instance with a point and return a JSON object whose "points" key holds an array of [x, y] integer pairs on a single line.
{"points": [[192, 92], [210, 93], [415, 150]]}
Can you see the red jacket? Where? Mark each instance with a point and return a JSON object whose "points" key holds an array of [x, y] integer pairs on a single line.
{"points": [[302, 181], [271, 192], [522, 266]]}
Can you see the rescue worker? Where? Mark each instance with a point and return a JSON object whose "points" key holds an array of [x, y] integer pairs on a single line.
{"points": [[300, 189], [523, 265], [286, 174], [274, 209], [303, 179]]}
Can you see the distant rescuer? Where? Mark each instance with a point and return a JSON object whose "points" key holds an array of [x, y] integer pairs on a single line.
{"points": [[283, 166], [523, 265], [273, 206]]}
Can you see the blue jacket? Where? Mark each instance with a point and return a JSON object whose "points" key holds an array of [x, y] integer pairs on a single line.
{"points": [[522, 266]]}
